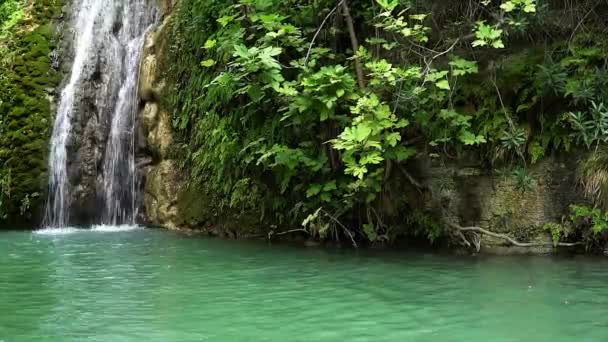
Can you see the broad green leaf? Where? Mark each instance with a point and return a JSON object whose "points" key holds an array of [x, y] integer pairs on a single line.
{"points": [[479, 42], [329, 186], [393, 139], [225, 20], [325, 197], [443, 84], [401, 153], [419, 17], [373, 158], [313, 190], [388, 5], [498, 44], [208, 63], [435, 75], [462, 66], [209, 44], [469, 138], [508, 6], [361, 132], [241, 51]]}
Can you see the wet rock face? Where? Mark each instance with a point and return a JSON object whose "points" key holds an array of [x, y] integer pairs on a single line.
{"points": [[163, 179], [160, 200], [101, 93], [88, 143], [474, 197]]}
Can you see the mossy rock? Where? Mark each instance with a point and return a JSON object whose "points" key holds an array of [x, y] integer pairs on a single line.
{"points": [[25, 108]]}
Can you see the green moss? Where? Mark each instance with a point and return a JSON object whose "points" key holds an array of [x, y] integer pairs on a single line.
{"points": [[25, 110], [194, 211]]}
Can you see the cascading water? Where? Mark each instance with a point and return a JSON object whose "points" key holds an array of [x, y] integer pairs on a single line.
{"points": [[100, 102]]}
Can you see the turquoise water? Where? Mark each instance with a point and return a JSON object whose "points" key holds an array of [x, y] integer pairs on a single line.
{"points": [[150, 285]]}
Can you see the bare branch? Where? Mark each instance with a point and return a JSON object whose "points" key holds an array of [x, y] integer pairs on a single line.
{"points": [[414, 182], [581, 23], [287, 232], [348, 232], [312, 43], [510, 239]]}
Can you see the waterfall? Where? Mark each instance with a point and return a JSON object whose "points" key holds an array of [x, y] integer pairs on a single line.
{"points": [[97, 112]]}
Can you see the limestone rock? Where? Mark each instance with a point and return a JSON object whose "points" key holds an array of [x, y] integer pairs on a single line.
{"points": [[163, 180], [161, 194], [473, 197], [160, 138], [147, 90], [166, 6], [149, 116]]}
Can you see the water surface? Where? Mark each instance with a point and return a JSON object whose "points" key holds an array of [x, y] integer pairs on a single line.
{"points": [[147, 285]]}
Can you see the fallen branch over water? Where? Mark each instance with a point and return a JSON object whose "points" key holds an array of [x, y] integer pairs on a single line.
{"points": [[461, 230], [301, 230]]}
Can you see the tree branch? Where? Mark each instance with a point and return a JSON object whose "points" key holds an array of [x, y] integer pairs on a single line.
{"points": [[271, 233], [510, 239], [350, 235], [312, 43], [354, 43], [413, 181]]}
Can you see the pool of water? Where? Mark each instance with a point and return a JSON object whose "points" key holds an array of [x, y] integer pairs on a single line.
{"points": [[131, 284]]}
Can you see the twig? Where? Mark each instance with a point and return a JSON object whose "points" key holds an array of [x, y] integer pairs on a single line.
{"points": [[502, 104], [288, 232], [380, 223], [342, 226], [412, 180], [580, 23], [448, 50], [509, 119], [319, 30], [477, 242], [465, 242]]}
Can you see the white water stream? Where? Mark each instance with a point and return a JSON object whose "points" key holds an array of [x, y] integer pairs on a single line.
{"points": [[107, 37]]}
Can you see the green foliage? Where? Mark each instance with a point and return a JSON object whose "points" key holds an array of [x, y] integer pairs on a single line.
{"points": [[584, 224], [513, 140], [537, 152], [488, 36], [590, 127], [557, 232], [278, 115], [10, 13], [461, 66], [561, 232], [404, 24], [371, 138], [523, 180], [593, 176], [528, 6], [425, 225], [595, 218]]}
